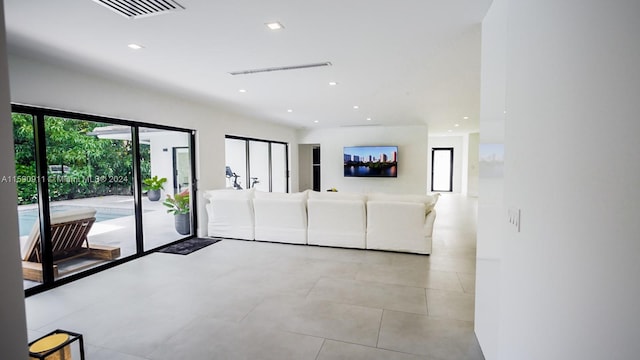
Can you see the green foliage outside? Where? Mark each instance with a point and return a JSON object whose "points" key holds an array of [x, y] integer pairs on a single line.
{"points": [[154, 183], [80, 165]]}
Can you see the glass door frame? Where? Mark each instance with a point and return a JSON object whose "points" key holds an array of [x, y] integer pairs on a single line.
{"points": [[433, 167], [248, 160], [44, 211]]}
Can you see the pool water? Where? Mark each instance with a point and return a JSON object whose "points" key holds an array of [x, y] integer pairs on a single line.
{"points": [[28, 217]]}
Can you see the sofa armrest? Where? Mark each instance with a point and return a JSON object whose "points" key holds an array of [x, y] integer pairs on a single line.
{"points": [[428, 223]]}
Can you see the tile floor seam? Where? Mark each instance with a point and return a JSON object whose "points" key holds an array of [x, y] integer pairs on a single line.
{"points": [[262, 300], [380, 348], [426, 300], [324, 341], [317, 336], [460, 282], [174, 334], [379, 328], [87, 344], [383, 283], [45, 326], [313, 287], [326, 264], [367, 307]]}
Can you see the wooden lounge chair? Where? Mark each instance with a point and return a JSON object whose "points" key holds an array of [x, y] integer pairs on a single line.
{"points": [[69, 230]]}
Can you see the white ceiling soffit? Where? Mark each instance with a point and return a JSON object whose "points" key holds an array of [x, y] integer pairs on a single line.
{"points": [[135, 9]]}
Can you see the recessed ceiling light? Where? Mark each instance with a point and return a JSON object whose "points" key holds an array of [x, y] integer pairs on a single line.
{"points": [[275, 25], [368, 119], [316, 121], [466, 118], [356, 107], [332, 83], [242, 90], [135, 46], [290, 110], [456, 125]]}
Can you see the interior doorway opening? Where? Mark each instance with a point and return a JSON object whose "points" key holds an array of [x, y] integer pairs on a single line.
{"points": [[442, 169]]}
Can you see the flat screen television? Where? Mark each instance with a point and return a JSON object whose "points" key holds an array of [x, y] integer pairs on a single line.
{"points": [[370, 161]]}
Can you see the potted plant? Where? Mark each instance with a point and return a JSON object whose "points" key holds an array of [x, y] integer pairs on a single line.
{"points": [[178, 205], [154, 186]]}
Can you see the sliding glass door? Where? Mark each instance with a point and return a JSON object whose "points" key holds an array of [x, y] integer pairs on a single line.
{"points": [[81, 202], [170, 161], [279, 169], [255, 163], [90, 175], [259, 165], [26, 180]]}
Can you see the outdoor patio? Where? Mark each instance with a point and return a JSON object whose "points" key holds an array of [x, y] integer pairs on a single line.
{"points": [[158, 228]]}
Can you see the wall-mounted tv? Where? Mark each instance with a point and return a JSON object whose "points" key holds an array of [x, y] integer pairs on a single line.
{"points": [[370, 161]]}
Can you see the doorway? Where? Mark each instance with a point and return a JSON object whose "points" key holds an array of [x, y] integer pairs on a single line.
{"points": [[181, 168], [316, 168], [442, 169]]}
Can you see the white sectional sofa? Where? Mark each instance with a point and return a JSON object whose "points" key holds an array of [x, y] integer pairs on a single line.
{"points": [[280, 217], [231, 214], [365, 221], [400, 223], [337, 219]]}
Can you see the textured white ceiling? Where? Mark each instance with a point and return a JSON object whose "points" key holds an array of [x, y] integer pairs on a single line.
{"points": [[402, 62]]}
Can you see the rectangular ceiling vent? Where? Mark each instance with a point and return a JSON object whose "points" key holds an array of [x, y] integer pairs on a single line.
{"points": [[359, 125], [135, 9], [281, 68]]}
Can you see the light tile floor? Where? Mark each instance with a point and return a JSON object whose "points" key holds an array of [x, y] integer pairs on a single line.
{"points": [[254, 300]]}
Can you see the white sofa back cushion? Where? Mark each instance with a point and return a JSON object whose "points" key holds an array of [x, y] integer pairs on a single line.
{"points": [[281, 220], [428, 200], [334, 195], [230, 213], [229, 194], [281, 196], [337, 223], [399, 226]]}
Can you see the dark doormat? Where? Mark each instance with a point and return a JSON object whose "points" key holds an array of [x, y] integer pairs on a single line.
{"points": [[188, 246]]}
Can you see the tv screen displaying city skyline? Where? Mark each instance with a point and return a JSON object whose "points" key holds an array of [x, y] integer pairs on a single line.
{"points": [[370, 161]]}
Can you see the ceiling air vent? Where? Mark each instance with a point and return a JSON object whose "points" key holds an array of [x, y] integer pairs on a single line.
{"points": [[281, 68], [135, 9]]}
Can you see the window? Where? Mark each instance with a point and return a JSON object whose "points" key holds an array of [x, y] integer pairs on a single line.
{"points": [[255, 163], [81, 204]]}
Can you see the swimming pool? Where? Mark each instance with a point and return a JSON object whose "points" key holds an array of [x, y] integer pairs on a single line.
{"points": [[28, 217]]}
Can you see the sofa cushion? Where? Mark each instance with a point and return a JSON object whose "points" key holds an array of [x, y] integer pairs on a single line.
{"points": [[337, 223], [281, 220], [280, 196], [428, 200], [229, 194], [331, 195]]}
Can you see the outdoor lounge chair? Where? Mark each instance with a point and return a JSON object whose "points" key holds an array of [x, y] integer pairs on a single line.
{"points": [[69, 231]]}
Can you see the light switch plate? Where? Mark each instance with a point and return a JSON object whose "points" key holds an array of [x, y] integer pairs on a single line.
{"points": [[514, 218]]}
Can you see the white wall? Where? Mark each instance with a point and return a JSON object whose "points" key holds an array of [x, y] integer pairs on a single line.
{"points": [[491, 210], [13, 341], [567, 280], [34, 82], [412, 157], [459, 158]]}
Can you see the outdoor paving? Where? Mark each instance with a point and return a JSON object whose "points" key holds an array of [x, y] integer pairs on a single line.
{"points": [[119, 232]]}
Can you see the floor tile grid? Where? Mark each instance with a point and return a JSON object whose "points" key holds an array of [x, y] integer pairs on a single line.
{"points": [[324, 259]]}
